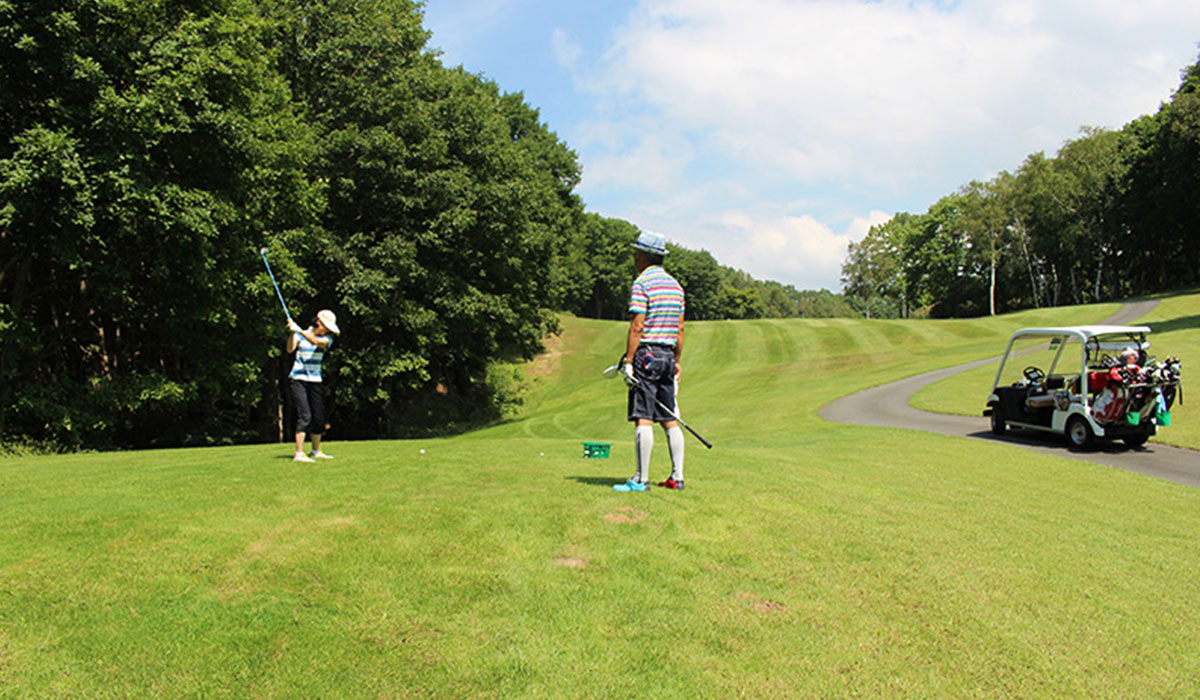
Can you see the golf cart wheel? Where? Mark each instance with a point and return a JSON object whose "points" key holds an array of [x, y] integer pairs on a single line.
{"points": [[1079, 433], [998, 423], [1136, 440]]}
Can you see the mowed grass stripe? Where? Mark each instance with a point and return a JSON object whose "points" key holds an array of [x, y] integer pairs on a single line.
{"points": [[805, 559], [850, 354], [783, 344]]}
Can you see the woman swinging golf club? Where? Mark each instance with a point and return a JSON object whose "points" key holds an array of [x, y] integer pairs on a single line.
{"points": [[304, 381], [651, 362]]}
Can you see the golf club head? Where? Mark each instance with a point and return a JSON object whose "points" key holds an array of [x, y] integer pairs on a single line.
{"points": [[263, 251], [610, 372]]}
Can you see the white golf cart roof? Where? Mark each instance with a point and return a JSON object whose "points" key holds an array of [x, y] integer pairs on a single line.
{"points": [[1094, 339], [1117, 337], [1083, 333]]}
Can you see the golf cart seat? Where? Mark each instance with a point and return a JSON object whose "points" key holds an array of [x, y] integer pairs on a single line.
{"points": [[1039, 401]]}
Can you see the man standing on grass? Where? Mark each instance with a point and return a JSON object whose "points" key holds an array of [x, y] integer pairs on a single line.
{"points": [[650, 366]]}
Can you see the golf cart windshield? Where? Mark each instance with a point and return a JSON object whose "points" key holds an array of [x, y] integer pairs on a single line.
{"points": [[1056, 352]]}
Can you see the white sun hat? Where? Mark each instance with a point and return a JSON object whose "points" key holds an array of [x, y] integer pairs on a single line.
{"points": [[329, 319]]}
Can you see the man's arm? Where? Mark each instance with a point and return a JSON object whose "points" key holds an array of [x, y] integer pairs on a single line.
{"points": [[635, 336], [679, 341]]}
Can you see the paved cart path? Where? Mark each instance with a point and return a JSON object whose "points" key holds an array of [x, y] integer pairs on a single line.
{"points": [[887, 406]]}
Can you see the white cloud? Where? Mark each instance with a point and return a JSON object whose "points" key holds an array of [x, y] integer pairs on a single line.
{"points": [[645, 158], [862, 224], [847, 104], [824, 89], [566, 52], [791, 247]]}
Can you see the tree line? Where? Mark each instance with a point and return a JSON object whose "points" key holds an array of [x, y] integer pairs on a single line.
{"points": [[1112, 214], [149, 148], [602, 267]]}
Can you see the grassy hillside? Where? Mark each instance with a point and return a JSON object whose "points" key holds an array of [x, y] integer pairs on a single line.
{"points": [[804, 559], [1176, 325]]}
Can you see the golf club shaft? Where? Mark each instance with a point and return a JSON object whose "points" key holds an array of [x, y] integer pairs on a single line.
{"points": [[681, 422], [276, 284], [612, 371]]}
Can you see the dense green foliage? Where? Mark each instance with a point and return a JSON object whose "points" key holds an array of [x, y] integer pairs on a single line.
{"points": [[145, 147], [1113, 214], [149, 148], [445, 204]]}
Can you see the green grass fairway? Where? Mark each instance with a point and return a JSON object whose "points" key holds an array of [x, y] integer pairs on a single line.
{"points": [[1176, 325], [805, 559]]}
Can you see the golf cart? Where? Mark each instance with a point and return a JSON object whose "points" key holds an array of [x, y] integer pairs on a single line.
{"points": [[1100, 384]]}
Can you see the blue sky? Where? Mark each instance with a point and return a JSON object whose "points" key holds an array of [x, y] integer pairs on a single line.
{"points": [[775, 132]]}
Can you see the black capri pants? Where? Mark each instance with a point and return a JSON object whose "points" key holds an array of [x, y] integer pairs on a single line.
{"points": [[308, 398]]}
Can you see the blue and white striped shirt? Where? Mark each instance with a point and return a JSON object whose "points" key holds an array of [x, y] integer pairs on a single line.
{"points": [[307, 367]]}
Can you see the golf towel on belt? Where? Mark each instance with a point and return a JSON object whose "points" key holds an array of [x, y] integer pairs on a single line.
{"points": [[307, 367], [659, 297]]}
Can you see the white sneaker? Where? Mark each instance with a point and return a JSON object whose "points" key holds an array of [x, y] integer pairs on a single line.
{"points": [[321, 455], [301, 457]]}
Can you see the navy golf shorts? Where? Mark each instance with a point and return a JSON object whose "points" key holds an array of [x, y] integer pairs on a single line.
{"points": [[654, 367]]}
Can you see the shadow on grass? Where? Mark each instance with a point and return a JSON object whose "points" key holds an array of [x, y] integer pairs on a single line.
{"points": [[595, 480], [1175, 324]]}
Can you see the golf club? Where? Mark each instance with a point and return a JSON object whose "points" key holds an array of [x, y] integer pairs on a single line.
{"points": [[263, 252], [610, 372]]}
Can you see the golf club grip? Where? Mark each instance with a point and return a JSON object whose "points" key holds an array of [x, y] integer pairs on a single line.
{"points": [[693, 432]]}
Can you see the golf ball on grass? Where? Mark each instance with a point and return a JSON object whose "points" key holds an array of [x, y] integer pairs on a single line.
{"points": [[422, 450]]}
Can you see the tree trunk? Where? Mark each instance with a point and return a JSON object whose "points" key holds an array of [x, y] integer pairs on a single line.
{"points": [[992, 288], [278, 419], [1033, 285]]}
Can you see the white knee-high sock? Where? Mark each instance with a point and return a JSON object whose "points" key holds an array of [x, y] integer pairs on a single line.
{"points": [[675, 443], [643, 442]]}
